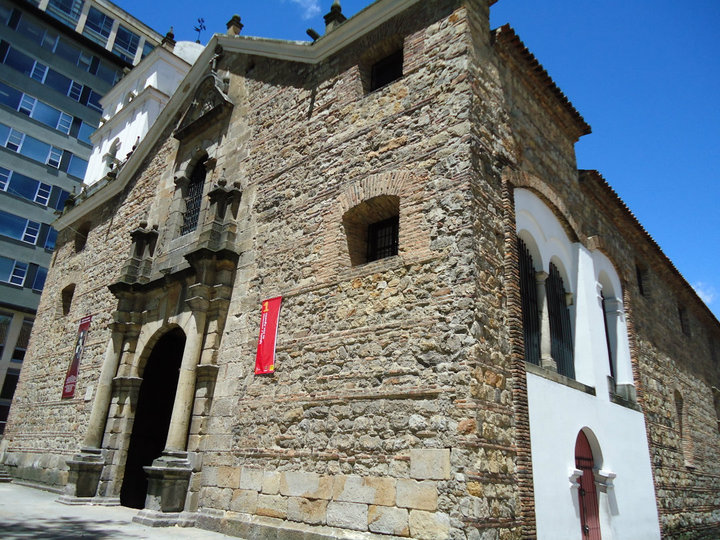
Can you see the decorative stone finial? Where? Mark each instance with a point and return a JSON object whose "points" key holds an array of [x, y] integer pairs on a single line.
{"points": [[234, 26], [169, 39], [335, 18]]}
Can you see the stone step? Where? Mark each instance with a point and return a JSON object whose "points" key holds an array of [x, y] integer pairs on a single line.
{"points": [[4, 474]]}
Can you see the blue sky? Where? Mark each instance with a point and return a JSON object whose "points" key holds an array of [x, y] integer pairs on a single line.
{"points": [[644, 74]]}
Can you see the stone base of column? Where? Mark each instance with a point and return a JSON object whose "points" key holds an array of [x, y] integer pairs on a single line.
{"points": [[548, 363], [168, 482], [84, 476], [89, 501], [153, 518]]}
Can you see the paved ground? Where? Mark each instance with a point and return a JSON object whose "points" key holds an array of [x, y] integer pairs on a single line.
{"points": [[32, 513]]}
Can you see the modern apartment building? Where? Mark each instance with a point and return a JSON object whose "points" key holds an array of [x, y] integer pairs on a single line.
{"points": [[58, 58]]}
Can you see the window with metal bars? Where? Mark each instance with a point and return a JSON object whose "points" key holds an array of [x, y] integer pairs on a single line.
{"points": [[193, 199], [528, 295], [561, 347], [372, 229], [383, 239]]}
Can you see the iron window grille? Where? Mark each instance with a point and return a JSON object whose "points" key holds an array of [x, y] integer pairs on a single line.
{"points": [[528, 295], [193, 199], [383, 239], [561, 347]]}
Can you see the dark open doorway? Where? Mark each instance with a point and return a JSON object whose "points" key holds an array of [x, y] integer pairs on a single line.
{"points": [[152, 415]]}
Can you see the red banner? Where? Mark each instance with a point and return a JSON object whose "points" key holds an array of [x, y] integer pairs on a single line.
{"points": [[265, 358], [72, 372]]}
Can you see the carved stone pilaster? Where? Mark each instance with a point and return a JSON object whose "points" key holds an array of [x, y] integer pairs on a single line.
{"points": [[139, 266], [219, 231]]}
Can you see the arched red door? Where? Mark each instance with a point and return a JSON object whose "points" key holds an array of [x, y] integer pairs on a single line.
{"points": [[589, 513]]}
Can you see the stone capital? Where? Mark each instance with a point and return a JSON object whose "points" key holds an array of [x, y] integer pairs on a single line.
{"points": [[198, 304]]}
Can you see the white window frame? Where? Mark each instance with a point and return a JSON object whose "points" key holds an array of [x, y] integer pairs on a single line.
{"points": [[32, 232], [42, 195], [27, 105], [19, 271], [12, 144], [64, 120], [52, 160], [5, 178], [39, 72], [75, 87]]}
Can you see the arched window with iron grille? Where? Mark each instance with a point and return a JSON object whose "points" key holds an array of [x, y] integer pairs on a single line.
{"points": [[528, 295], [561, 346], [193, 199]]}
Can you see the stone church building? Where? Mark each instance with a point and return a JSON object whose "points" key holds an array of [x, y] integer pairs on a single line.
{"points": [[476, 339]]}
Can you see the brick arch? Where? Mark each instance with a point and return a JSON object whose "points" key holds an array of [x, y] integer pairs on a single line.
{"points": [[519, 179], [392, 183], [409, 187]]}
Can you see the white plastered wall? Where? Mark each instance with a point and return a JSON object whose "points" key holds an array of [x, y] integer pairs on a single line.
{"points": [[559, 411], [133, 105]]}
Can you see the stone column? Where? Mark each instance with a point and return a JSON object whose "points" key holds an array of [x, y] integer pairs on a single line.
{"points": [[103, 394], [185, 394], [546, 359]]}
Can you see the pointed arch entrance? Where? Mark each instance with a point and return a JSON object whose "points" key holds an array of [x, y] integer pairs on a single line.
{"points": [[589, 510], [152, 415]]}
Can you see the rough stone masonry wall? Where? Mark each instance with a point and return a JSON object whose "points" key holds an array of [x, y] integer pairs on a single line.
{"points": [[687, 469], [382, 415], [43, 429]]}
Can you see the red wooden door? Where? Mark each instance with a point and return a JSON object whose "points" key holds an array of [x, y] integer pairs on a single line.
{"points": [[589, 513]]}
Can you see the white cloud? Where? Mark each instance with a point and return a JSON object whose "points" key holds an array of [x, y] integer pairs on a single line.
{"points": [[310, 8], [706, 292]]}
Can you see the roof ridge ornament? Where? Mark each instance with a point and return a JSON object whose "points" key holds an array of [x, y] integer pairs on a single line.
{"points": [[335, 18], [234, 26], [169, 39]]}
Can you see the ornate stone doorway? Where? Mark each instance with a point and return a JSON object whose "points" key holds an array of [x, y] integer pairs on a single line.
{"points": [[152, 415]]}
